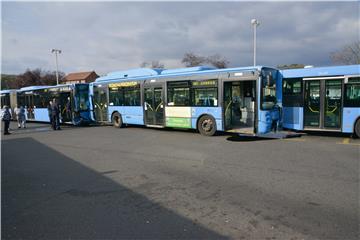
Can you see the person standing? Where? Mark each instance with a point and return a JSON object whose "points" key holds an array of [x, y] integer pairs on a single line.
{"points": [[68, 110], [20, 116], [50, 111], [55, 112], [6, 117]]}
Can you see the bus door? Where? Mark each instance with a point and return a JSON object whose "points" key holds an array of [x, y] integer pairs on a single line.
{"points": [[63, 99], [29, 101], [100, 103], [323, 103], [239, 106], [154, 105]]}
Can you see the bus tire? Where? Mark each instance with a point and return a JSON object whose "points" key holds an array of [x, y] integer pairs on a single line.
{"points": [[357, 129], [117, 120], [206, 125]]}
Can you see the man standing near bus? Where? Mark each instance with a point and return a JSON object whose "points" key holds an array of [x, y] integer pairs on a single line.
{"points": [[68, 109], [55, 118], [20, 115], [6, 117]]}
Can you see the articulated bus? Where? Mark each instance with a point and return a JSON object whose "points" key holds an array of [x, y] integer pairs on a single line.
{"points": [[322, 99], [36, 99], [241, 100]]}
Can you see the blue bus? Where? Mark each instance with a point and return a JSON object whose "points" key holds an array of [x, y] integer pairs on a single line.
{"points": [[322, 99], [241, 100], [36, 99]]}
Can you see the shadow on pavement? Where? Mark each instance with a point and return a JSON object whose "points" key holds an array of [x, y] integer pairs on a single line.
{"points": [[238, 138], [46, 195]]}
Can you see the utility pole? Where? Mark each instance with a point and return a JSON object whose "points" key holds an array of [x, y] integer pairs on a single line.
{"points": [[255, 23], [56, 51]]}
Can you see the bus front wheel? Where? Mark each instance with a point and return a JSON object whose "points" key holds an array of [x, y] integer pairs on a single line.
{"points": [[207, 125], [116, 120], [357, 129]]}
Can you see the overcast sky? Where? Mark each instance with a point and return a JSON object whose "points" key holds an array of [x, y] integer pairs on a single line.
{"points": [[114, 36]]}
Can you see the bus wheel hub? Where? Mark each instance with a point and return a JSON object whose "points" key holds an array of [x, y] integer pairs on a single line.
{"points": [[207, 125]]}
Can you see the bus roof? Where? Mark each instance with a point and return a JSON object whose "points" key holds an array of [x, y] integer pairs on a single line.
{"points": [[321, 71], [31, 88], [7, 91], [141, 74]]}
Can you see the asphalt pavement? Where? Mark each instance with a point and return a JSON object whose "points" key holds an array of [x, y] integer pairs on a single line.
{"points": [[143, 183]]}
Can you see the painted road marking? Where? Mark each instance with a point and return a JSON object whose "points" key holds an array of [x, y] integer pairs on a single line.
{"points": [[294, 139], [346, 141]]}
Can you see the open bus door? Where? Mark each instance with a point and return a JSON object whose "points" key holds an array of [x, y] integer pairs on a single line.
{"points": [[239, 106]]}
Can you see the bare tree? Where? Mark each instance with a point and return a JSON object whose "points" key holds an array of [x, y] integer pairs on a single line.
{"points": [[34, 78], [152, 64], [191, 60], [290, 66], [349, 54], [217, 61]]}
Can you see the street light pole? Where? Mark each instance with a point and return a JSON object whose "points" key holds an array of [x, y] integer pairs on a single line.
{"points": [[56, 51], [255, 23]]}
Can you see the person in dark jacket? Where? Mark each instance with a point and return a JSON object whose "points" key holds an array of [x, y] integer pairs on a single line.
{"points": [[55, 115], [68, 110], [50, 112], [6, 117]]}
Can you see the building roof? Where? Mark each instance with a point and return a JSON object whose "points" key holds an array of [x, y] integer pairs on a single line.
{"points": [[78, 76]]}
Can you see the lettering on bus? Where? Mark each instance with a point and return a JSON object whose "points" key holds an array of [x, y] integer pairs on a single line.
{"points": [[58, 89], [204, 83], [123, 84]]}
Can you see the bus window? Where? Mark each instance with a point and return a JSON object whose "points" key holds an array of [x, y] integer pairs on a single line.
{"points": [[116, 96], [268, 92], [178, 94], [132, 96], [204, 93], [292, 92], [82, 97], [352, 95], [5, 100], [205, 97]]}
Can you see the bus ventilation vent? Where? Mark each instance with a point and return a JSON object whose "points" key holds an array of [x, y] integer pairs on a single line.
{"points": [[138, 72], [187, 70]]}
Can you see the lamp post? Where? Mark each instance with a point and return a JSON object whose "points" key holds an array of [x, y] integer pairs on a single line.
{"points": [[255, 23], [56, 51]]}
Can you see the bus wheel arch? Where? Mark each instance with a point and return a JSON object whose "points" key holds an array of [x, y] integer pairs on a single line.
{"points": [[356, 133], [206, 125], [116, 119]]}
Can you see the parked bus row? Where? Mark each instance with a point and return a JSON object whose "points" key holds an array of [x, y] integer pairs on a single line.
{"points": [[252, 100]]}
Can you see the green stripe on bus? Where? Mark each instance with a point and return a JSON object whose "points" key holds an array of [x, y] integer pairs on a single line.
{"points": [[178, 122]]}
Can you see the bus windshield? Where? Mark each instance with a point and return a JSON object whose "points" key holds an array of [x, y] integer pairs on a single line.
{"points": [[82, 97], [268, 90]]}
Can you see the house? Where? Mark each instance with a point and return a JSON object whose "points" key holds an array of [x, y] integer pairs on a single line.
{"points": [[80, 77]]}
